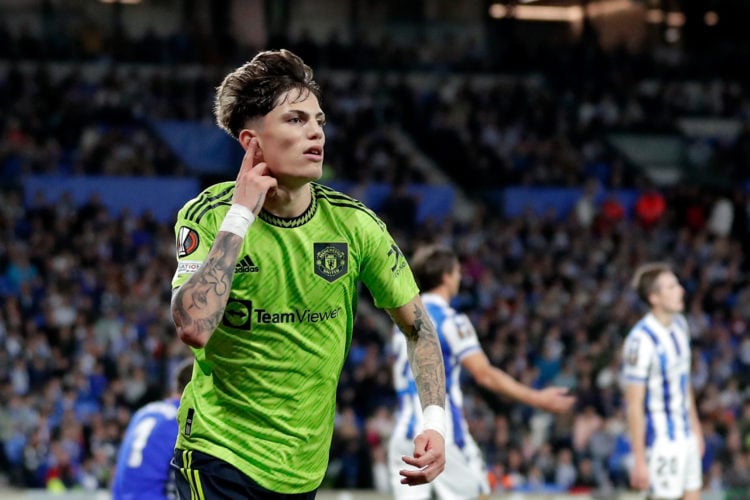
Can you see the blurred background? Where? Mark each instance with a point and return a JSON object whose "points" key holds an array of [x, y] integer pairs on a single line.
{"points": [[555, 144]]}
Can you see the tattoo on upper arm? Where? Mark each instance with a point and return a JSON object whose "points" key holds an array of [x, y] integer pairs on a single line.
{"points": [[414, 331], [200, 302]]}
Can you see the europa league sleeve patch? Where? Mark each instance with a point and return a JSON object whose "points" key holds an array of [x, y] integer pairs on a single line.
{"points": [[632, 349], [187, 241]]}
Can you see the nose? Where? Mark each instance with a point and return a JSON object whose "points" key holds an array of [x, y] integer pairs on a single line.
{"points": [[315, 130]]}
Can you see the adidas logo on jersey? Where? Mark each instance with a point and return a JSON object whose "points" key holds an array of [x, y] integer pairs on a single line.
{"points": [[246, 265]]}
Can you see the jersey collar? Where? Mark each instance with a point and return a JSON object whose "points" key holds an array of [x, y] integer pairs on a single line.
{"points": [[434, 298], [298, 221]]}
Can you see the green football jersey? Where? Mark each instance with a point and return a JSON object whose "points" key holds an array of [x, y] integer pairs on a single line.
{"points": [[263, 392]]}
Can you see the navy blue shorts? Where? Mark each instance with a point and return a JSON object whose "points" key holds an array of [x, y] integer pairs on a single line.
{"points": [[203, 477]]}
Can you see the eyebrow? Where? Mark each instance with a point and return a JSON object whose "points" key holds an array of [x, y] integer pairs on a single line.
{"points": [[301, 112]]}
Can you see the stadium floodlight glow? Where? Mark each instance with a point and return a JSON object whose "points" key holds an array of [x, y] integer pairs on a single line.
{"points": [[654, 16], [674, 19], [548, 13], [711, 18], [498, 11], [570, 13], [672, 35]]}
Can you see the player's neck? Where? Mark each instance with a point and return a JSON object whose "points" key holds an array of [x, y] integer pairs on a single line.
{"points": [[442, 291], [663, 317], [288, 202]]}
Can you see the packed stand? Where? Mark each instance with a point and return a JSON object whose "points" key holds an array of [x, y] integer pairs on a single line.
{"points": [[541, 127], [87, 339], [85, 322]]}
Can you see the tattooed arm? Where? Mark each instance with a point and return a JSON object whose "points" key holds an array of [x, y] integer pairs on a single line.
{"points": [[198, 305], [426, 360], [423, 348]]}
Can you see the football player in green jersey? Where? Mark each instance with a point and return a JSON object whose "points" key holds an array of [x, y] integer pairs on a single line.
{"points": [[265, 293]]}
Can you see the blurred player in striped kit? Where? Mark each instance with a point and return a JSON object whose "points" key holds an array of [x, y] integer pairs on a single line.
{"points": [[663, 425], [438, 273]]}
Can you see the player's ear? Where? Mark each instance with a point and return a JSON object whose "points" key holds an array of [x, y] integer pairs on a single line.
{"points": [[246, 135]]}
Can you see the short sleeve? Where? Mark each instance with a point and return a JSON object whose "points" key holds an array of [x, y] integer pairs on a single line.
{"points": [[460, 335], [637, 355], [385, 271], [193, 242]]}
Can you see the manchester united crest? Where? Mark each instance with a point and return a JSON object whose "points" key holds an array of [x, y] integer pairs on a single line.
{"points": [[331, 260]]}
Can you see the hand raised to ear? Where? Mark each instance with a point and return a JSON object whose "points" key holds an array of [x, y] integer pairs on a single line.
{"points": [[254, 180]]}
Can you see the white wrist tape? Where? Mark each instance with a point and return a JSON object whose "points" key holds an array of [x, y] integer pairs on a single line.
{"points": [[237, 220], [434, 418]]}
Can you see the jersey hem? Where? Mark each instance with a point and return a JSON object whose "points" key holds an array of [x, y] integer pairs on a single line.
{"points": [[256, 475]]}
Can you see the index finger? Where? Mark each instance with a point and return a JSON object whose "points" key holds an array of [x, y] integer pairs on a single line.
{"points": [[419, 473], [423, 462], [248, 161]]}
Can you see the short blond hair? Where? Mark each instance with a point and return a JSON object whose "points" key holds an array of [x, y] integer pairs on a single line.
{"points": [[645, 276]]}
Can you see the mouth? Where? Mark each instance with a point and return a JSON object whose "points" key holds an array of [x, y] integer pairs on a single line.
{"points": [[314, 153]]}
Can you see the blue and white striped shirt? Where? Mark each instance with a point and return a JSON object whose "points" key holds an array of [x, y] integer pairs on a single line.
{"points": [[457, 340], [659, 357]]}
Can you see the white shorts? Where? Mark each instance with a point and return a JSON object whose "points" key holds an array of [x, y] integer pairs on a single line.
{"points": [[674, 467], [464, 477]]}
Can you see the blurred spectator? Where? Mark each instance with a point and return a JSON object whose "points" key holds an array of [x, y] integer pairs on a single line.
{"points": [[611, 213], [586, 206], [650, 207], [737, 478], [587, 422], [565, 470], [721, 217], [399, 210], [585, 481]]}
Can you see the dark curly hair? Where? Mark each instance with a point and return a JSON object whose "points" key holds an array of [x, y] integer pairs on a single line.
{"points": [[256, 87]]}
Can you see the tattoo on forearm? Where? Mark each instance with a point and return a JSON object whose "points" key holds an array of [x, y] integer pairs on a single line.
{"points": [[200, 302], [426, 359]]}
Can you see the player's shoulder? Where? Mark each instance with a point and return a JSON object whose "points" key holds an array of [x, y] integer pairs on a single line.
{"points": [[436, 302], [216, 196], [681, 321], [645, 332], [160, 409], [639, 330], [346, 206]]}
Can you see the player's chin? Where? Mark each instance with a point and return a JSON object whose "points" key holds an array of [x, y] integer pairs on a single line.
{"points": [[311, 170], [314, 173], [300, 177]]}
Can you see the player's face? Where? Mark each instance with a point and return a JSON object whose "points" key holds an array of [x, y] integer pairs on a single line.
{"points": [[454, 279], [291, 139], [669, 295]]}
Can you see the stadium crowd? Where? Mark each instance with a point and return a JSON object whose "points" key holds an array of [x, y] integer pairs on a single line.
{"points": [[85, 325]]}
